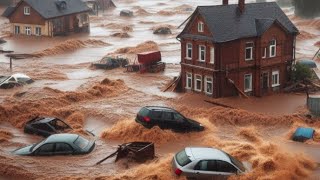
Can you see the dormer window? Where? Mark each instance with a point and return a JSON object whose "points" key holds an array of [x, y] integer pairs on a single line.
{"points": [[200, 26], [26, 10]]}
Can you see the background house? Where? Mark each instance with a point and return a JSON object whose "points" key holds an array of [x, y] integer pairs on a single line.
{"points": [[234, 48], [99, 5], [49, 17]]}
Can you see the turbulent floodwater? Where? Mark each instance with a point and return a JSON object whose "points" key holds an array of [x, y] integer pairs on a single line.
{"points": [[105, 102]]}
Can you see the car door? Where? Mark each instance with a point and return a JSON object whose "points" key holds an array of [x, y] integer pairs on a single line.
{"points": [[225, 169], [63, 149], [45, 150], [209, 170], [167, 120], [180, 123], [156, 119]]}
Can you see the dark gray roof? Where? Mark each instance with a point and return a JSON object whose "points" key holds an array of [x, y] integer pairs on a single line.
{"points": [[227, 23], [8, 12], [50, 8]]}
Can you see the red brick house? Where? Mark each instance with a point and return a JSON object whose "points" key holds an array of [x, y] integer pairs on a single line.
{"points": [[48, 17], [237, 47]]}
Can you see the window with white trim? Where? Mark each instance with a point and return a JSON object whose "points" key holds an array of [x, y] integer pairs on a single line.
{"points": [[28, 30], [200, 26], [275, 78], [16, 29], [273, 48], [38, 31], [26, 10], [247, 82], [212, 55], [249, 51], [208, 85], [188, 80], [264, 53], [198, 83], [202, 53], [189, 51]]}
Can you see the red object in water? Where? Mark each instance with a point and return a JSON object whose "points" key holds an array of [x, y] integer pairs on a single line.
{"points": [[147, 58], [178, 172], [146, 119]]}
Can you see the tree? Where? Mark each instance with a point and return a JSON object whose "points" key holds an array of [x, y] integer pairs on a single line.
{"points": [[301, 72]]}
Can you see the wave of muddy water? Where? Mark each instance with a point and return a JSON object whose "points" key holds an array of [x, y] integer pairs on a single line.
{"points": [[66, 86]]}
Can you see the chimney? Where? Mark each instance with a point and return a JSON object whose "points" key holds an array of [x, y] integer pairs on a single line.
{"points": [[241, 4], [225, 2]]}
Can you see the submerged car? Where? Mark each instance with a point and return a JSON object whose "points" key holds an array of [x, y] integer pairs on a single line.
{"points": [[166, 118], [58, 144], [46, 126], [206, 163], [7, 82]]}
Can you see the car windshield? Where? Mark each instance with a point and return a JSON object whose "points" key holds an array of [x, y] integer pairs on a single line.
{"points": [[182, 158], [81, 142], [237, 163]]}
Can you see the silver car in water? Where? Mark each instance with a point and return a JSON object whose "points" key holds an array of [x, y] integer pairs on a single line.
{"points": [[206, 163]]}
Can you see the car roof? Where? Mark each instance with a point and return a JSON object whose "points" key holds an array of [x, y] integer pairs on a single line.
{"points": [[19, 75], [41, 120], [207, 153], [64, 137], [162, 108]]}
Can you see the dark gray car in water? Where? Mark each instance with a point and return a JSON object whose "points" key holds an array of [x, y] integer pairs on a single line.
{"points": [[58, 144]]}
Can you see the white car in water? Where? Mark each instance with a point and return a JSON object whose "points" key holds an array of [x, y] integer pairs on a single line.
{"points": [[18, 79], [204, 163]]}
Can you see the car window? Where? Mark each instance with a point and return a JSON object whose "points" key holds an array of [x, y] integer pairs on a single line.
{"points": [[81, 142], [23, 79], [63, 148], [143, 112], [237, 163], [223, 166], [45, 149], [156, 114], [167, 116], [12, 79], [182, 158], [58, 124], [178, 117], [43, 126], [206, 165]]}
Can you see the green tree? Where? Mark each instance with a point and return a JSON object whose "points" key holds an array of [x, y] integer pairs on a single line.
{"points": [[301, 72]]}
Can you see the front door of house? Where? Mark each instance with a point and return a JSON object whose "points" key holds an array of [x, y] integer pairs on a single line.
{"points": [[265, 82]]}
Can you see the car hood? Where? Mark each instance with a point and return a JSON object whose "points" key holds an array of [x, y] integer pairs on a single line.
{"points": [[89, 147], [23, 151], [194, 123]]}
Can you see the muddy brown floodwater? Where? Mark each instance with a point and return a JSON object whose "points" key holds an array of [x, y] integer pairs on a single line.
{"points": [[257, 130]]}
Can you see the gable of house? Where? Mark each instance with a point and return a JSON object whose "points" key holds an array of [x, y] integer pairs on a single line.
{"points": [[17, 15]]}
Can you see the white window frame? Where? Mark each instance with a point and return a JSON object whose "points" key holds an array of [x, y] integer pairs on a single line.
{"points": [[273, 46], [277, 82], [26, 10], [36, 32], [251, 51], [197, 77], [250, 86], [208, 80], [188, 76], [204, 51], [200, 26], [187, 51], [15, 29], [28, 29], [264, 55], [212, 54]]}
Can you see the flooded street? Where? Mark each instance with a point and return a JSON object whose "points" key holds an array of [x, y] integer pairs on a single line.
{"points": [[105, 102]]}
